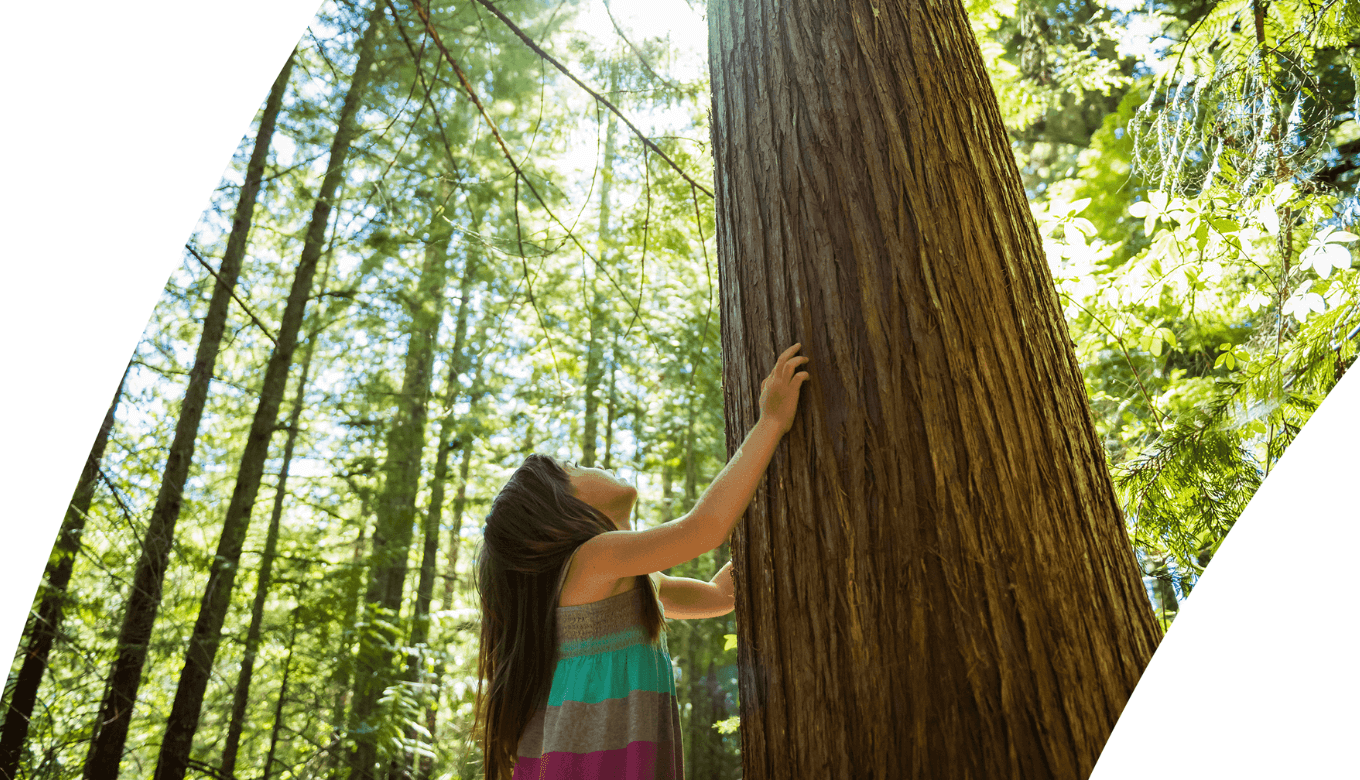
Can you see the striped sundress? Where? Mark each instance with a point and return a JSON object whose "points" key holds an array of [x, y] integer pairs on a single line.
{"points": [[612, 712]]}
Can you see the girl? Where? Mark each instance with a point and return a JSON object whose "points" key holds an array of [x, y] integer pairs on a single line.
{"points": [[571, 646]]}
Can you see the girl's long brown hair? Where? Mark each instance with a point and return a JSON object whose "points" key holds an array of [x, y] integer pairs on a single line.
{"points": [[534, 525]]}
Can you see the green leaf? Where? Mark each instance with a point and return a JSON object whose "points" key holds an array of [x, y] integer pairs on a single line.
{"points": [[729, 642], [728, 726]]}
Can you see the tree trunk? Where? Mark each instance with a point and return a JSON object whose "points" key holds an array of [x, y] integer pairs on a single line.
{"points": [[667, 494], [47, 621], [344, 668], [278, 705], [595, 350], [459, 501], [610, 409], [429, 558], [198, 659], [691, 467], [241, 696], [934, 580], [144, 598], [396, 506]]}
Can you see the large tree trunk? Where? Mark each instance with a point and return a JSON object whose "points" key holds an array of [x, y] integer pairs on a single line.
{"points": [[207, 635], [934, 580], [397, 507], [144, 598], [241, 696], [46, 621]]}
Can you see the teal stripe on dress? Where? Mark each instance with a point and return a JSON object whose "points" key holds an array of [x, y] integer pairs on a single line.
{"points": [[595, 678], [603, 644]]}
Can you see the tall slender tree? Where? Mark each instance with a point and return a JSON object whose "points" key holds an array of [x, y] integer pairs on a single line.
{"points": [[935, 580], [46, 621], [397, 503], [173, 760], [241, 696], [596, 300], [144, 597], [429, 555]]}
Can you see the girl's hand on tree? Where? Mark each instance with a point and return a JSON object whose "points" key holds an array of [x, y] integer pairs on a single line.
{"points": [[779, 391]]}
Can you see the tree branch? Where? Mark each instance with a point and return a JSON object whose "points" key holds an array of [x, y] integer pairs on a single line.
{"points": [[234, 297], [505, 150], [618, 28], [539, 51]]}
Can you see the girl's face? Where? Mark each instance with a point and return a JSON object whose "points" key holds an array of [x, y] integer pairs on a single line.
{"points": [[604, 491]]}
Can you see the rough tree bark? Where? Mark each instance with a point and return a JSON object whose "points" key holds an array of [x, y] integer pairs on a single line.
{"points": [[934, 580], [177, 744], [46, 621], [144, 598], [397, 506]]}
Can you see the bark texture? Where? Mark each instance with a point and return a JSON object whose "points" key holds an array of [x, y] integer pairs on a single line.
{"points": [[144, 598], [46, 622], [934, 580], [173, 760]]}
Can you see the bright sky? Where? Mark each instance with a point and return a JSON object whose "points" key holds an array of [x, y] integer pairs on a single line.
{"points": [[646, 19]]}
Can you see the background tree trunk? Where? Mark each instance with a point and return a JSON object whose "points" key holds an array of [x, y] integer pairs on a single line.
{"points": [[47, 621], [343, 676], [173, 760], [934, 580], [241, 696], [396, 506], [429, 558], [595, 350], [278, 704], [144, 597]]}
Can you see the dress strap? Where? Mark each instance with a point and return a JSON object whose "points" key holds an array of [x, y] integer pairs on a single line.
{"points": [[562, 578]]}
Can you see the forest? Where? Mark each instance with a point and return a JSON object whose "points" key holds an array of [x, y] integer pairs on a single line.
{"points": [[461, 233]]}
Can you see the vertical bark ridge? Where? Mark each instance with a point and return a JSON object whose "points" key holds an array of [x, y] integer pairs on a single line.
{"points": [[943, 491]]}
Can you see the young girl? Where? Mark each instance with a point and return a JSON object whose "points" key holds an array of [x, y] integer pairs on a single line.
{"points": [[572, 610]]}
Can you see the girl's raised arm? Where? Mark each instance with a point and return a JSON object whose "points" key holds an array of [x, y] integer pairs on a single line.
{"points": [[710, 522]]}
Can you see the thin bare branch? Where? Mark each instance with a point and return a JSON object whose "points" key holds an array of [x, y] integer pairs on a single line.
{"points": [[618, 28], [234, 297], [519, 172], [540, 52]]}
